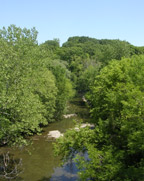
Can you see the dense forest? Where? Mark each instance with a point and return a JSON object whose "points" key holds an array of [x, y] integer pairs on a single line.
{"points": [[38, 80]]}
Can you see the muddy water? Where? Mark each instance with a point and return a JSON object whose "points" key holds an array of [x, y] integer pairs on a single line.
{"points": [[37, 162]]}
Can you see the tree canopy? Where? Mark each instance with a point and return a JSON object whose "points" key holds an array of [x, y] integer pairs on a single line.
{"points": [[37, 81], [115, 147], [34, 89]]}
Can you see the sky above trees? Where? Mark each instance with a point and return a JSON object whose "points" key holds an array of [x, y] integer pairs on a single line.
{"points": [[61, 19]]}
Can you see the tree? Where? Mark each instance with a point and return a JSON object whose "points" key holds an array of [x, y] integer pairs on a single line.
{"points": [[33, 90], [115, 147], [64, 86], [27, 99]]}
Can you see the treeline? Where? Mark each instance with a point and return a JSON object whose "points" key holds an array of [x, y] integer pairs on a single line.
{"points": [[87, 56]]}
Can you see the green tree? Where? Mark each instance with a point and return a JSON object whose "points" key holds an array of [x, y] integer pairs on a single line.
{"points": [[22, 41], [33, 90], [28, 98], [64, 86], [115, 147]]}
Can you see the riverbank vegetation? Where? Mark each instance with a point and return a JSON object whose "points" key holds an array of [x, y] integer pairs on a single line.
{"points": [[37, 81], [115, 147], [33, 90]]}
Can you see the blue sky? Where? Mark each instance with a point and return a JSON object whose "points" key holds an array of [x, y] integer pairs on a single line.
{"points": [[110, 19]]}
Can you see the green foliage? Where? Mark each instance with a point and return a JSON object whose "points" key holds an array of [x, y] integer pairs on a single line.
{"points": [[33, 90], [115, 147], [100, 50], [51, 44], [63, 84], [21, 41], [73, 142], [47, 49], [27, 98], [87, 77], [117, 107], [81, 52], [35, 87]]}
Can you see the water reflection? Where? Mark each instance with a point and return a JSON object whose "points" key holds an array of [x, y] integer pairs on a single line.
{"points": [[40, 164], [67, 172], [10, 168]]}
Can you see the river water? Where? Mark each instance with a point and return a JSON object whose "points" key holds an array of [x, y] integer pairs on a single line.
{"points": [[37, 161]]}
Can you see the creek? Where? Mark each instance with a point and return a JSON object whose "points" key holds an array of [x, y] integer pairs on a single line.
{"points": [[37, 162]]}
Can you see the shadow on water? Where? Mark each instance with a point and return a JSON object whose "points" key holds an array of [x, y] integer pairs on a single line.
{"points": [[39, 162], [67, 172]]}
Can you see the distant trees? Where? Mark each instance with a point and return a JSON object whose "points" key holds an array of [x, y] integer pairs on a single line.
{"points": [[82, 52], [100, 50], [51, 44]]}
